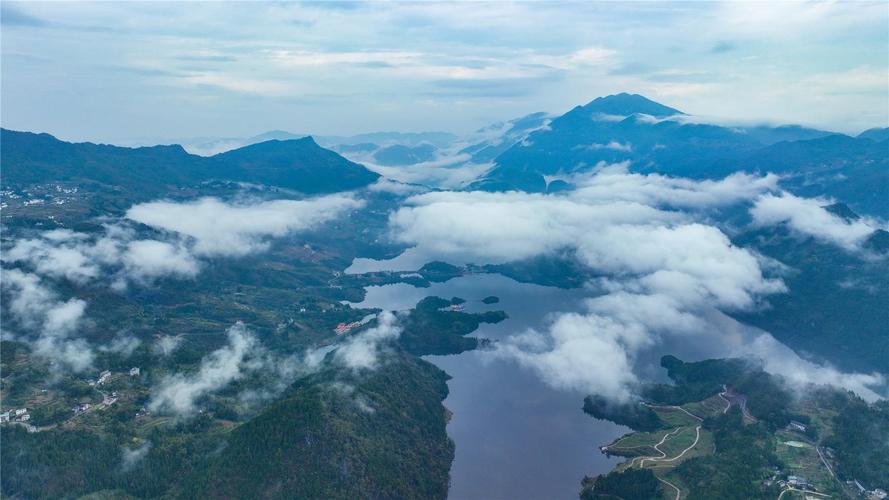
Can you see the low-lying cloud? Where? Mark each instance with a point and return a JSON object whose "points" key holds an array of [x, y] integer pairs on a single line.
{"points": [[268, 374], [114, 255], [809, 217], [612, 145], [131, 457], [670, 274], [362, 350], [798, 372], [615, 183], [38, 309], [179, 393], [217, 228]]}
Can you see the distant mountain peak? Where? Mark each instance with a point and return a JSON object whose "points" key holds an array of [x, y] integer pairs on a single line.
{"points": [[842, 211], [625, 104], [878, 241], [273, 135], [875, 134]]}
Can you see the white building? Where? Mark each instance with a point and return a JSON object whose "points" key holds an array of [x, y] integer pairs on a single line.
{"points": [[4, 417], [21, 411], [134, 371], [797, 426]]}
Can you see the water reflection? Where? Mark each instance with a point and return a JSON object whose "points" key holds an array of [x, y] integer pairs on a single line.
{"points": [[515, 436]]}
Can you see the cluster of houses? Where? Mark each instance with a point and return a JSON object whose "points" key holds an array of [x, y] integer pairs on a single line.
{"points": [[876, 494], [346, 327], [18, 415], [798, 482], [78, 409], [103, 377]]}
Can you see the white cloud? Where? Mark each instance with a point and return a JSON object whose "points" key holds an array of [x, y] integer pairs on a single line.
{"points": [[81, 258], [166, 344], [145, 260], [238, 83], [179, 393], [446, 172], [808, 216], [361, 351], [122, 344], [217, 228], [670, 276], [243, 356], [385, 185], [577, 352], [668, 273], [130, 457], [207, 227], [799, 373], [581, 58], [57, 254], [612, 145], [620, 237], [39, 311], [616, 183]]}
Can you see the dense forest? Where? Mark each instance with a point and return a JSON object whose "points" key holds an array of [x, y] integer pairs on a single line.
{"points": [[766, 398], [430, 328], [861, 441], [737, 467], [632, 484], [634, 415], [334, 434], [337, 436]]}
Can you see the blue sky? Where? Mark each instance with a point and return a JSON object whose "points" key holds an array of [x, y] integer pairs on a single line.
{"points": [[116, 72]]}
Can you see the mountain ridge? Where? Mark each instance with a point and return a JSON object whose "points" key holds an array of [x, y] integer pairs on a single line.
{"points": [[298, 164]]}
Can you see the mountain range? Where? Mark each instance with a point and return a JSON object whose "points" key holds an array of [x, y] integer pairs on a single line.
{"points": [[534, 153], [297, 164], [657, 138]]}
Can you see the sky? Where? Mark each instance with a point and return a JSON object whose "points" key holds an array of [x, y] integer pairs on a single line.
{"points": [[155, 72]]}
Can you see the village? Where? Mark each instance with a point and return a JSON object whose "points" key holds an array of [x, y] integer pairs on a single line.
{"points": [[22, 416], [809, 471]]}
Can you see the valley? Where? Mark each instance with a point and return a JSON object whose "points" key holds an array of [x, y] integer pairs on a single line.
{"points": [[240, 325]]}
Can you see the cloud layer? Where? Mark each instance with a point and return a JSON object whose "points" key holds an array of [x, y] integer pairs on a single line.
{"points": [[179, 393], [362, 350], [669, 274], [455, 66], [190, 233], [217, 228], [809, 217], [37, 309]]}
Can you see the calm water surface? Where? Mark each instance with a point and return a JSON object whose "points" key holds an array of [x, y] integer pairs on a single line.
{"points": [[515, 436]]}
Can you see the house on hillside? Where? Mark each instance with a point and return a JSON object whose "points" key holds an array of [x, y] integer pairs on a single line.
{"points": [[798, 482], [796, 426]]}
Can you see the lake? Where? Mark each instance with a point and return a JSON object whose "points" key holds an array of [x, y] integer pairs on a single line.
{"points": [[515, 436]]}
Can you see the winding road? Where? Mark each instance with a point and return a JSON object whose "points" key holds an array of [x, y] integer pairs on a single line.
{"points": [[668, 483], [663, 458]]}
